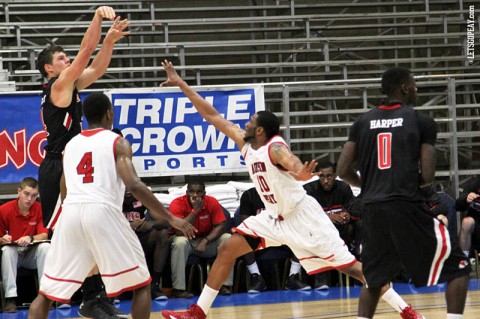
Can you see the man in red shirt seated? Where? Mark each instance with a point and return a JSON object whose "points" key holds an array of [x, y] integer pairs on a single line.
{"points": [[21, 226], [206, 215]]}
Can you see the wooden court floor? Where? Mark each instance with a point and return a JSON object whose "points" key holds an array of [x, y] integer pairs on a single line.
{"points": [[430, 305], [338, 302]]}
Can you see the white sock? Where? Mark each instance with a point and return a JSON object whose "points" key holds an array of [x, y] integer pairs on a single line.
{"points": [[454, 316], [295, 268], [394, 300], [206, 298], [466, 252], [253, 268], [362, 318]]}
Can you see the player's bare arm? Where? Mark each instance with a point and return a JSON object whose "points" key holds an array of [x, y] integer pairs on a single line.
{"points": [[207, 110], [102, 60], [63, 188], [345, 165], [427, 164], [159, 224], [62, 89], [281, 155], [127, 173]]}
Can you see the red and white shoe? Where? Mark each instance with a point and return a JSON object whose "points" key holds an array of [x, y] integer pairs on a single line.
{"points": [[194, 312], [410, 313]]}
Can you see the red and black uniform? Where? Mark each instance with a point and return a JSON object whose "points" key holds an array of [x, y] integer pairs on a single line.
{"points": [[61, 125], [398, 229]]}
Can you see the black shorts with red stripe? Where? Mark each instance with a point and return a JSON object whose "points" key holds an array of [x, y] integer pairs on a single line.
{"points": [[404, 236]]}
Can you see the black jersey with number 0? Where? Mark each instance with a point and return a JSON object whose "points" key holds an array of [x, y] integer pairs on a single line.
{"points": [[387, 145], [61, 124]]}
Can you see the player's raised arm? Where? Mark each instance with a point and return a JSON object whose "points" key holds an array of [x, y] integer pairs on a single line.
{"points": [[62, 89], [102, 60], [207, 110]]}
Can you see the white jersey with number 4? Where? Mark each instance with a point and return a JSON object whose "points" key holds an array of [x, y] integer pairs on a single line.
{"points": [[90, 169], [279, 191]]}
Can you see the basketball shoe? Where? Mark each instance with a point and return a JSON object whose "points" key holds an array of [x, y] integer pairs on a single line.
{"points": [[410, 313], [194, 312]]}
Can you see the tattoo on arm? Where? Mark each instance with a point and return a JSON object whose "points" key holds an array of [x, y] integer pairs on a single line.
{"points": [[279, 149], [282, 156]]}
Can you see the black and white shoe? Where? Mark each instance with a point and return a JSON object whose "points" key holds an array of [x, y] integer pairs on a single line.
{"points": [[294, 283], [320, 281], [100, 308], [158, 295], [257, 284]]}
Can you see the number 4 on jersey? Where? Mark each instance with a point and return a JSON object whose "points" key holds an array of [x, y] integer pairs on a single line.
{"points": [[85, 168]]}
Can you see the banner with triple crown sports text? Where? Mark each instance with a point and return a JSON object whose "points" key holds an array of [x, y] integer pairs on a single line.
{"points": [[168, 136]]}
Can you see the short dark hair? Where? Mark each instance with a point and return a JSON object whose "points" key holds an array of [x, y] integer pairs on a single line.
{"points": [[394, 78], [95, 106], [46, 57], [269, 122], [29, 181], [326, 164], [195, 181]]}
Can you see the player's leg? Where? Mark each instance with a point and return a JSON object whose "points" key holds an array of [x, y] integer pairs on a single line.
{"points": [[368, 301], [237, 245], [233, 248], [254, 232], [49, 175], [39, 307], [141, 303], [456, 295], [456, 272], [354, 271], [66, 266], [122, 262]]}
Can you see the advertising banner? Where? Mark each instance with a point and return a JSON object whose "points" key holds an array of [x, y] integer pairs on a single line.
{"points": [[168, 135]]}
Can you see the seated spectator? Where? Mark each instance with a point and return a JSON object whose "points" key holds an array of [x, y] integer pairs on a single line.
{"points": [[251, 204], [153, 235], [340, 205], [469, 202], [206, 215], [22, 231]]}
